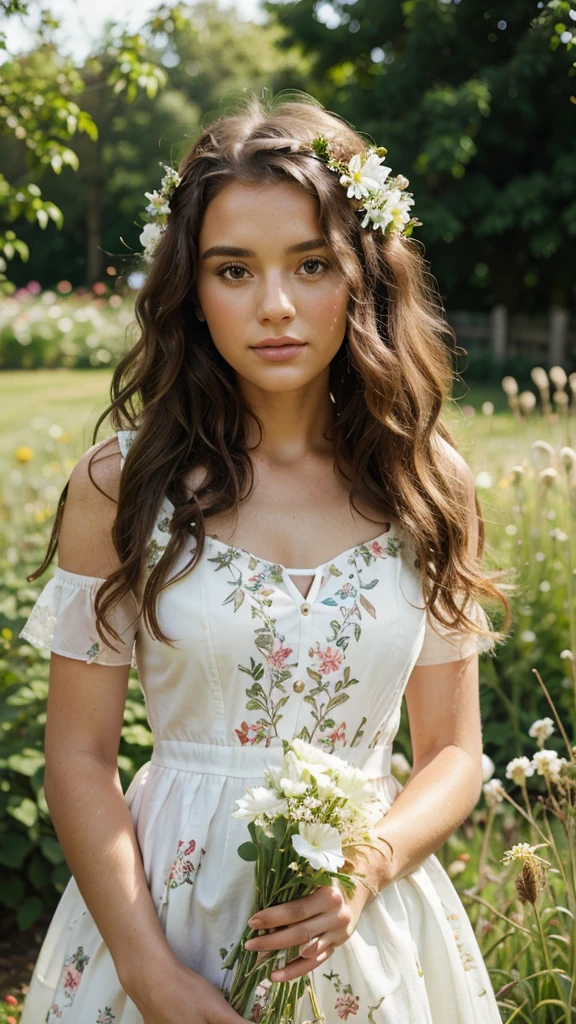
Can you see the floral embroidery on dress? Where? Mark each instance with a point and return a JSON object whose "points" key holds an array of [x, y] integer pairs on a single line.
{"points": [[327, 669], [92, 652], [347, 1004], [183, 870], [70, 979], [465, 955], [105, 1016], [327, 660], [275, 670]]}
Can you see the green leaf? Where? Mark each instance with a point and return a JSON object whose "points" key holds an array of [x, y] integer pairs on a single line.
{"points": [[51, 849], [138, 735], [28, 912], [23, 809], [247, 851], [14, 848], [12, 890], [27, 762], [38, 872]]}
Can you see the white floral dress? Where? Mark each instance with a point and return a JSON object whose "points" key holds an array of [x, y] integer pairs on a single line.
{"points": [[254, 661]]}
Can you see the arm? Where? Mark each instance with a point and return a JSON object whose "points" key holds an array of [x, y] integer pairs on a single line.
{"points": [[84, 720]]}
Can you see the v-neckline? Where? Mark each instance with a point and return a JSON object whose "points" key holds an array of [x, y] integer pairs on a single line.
{"points": [[317, 572]]}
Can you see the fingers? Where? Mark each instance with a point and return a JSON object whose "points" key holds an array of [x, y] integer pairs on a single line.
{"points": [[296, 968], [325, 898], [302, 920], [296, 935]]}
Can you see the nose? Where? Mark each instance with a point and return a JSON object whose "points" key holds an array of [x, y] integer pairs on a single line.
{"points": [[275, 301]]}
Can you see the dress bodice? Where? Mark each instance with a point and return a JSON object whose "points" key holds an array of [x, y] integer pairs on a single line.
{"points": [[252, 660]]}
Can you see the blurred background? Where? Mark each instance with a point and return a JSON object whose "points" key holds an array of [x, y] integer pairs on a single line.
{"points": [[476, 105]]}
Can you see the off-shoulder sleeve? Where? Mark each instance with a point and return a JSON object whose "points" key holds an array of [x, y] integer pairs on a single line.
{"points": [[63, 620], [443, 644]]}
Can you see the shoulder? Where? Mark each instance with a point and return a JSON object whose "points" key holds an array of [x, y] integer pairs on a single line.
{"points": [[98, 467], [85, 538]]}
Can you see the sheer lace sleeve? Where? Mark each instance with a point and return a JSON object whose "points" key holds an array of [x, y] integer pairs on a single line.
{"points": [[63, 621], [442, 644]]}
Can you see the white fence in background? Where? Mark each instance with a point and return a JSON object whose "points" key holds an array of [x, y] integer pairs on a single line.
{"points": [[544, 340]]}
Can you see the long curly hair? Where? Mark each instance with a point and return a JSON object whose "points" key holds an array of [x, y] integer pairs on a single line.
{"points": [[390, 378]]}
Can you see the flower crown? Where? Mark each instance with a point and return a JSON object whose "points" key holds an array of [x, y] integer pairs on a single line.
{"points": [[384, 201]]}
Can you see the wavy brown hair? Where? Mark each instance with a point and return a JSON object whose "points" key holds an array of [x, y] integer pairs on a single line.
{"points": [[389, 379]]}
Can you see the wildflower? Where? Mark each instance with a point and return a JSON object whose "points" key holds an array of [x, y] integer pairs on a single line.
{"points": [[527, 401], [541, 729], [24, 454], [548, 764], [548, 475], [488, 408], [519, 769], [540, 377], [484, 480], [532, 879], [259, 800], [364, 177], [487, 768], [320, 845], [493, 792], [517, 473], [541, 454], [558, 376], [510, 385], [528, 636], [568, 458], [567, 654]]}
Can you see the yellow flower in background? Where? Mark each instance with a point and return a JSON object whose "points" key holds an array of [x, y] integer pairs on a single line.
{"points": [[24, 454]]}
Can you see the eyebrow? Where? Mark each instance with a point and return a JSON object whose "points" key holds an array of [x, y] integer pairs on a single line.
{"points": [[232, 250]]}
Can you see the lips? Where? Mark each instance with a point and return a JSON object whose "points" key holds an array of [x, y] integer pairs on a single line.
{"points": [[278, 342]]}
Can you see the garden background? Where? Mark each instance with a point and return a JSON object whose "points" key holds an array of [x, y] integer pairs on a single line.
{"points": [[476, 104]]}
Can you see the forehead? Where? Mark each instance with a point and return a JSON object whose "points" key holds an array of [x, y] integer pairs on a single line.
{"points": [[258, 209]]}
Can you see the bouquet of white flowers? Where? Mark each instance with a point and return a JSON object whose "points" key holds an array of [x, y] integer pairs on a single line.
{"points": [[314, 807]]}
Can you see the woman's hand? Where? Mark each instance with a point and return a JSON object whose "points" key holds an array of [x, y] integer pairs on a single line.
{"points": [[178, 995], [324, 919]]}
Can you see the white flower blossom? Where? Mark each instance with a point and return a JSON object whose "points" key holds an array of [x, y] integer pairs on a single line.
{"points": [[487, 768], [541, 729], [519, 769], [493, 792], [260, 800], [548, 764], [320, 845], [364, 178]]}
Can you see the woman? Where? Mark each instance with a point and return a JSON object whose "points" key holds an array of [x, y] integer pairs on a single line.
{"points": [[285, 395]]}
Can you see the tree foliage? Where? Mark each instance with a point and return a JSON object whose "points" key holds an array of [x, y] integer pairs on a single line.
{"points": [[475, 103]]}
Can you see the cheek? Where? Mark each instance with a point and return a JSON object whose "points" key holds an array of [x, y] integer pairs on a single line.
{"points": [[329, 311]]}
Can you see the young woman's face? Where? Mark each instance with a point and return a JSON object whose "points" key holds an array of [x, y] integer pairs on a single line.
{"points": [[281, 280]]}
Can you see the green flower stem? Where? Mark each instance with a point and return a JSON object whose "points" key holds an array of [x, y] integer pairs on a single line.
{"points": [[549, 962]]}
